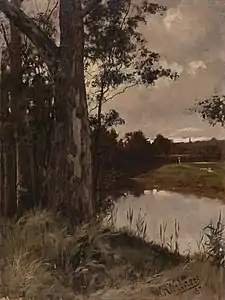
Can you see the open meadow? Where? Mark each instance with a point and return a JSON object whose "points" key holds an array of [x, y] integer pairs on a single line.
{"points": [[199, 178]]}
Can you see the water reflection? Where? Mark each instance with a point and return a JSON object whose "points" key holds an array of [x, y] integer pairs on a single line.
{"points": [[160, 207], [127, 187]]}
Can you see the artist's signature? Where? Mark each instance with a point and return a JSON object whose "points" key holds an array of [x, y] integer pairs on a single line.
{"points": [[178, 286]]}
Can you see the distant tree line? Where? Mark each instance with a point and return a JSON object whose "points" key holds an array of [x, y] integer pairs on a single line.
{"points": [[130, 156]]}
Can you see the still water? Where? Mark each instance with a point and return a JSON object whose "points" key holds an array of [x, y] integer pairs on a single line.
{"points": [[160, 207]]}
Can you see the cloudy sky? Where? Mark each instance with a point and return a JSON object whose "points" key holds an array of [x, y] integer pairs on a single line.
{"points": [[190, 38]]}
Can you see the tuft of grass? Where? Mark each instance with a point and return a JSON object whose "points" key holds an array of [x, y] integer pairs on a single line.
{"points": [[214, 242], [173, 242], [140, 228]]}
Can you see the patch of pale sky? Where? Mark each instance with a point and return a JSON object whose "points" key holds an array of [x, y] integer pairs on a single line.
{"points": [[195, 66]]}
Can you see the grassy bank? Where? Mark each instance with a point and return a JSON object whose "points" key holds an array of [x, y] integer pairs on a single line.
{"points": [[202, 179], [42, 257]]}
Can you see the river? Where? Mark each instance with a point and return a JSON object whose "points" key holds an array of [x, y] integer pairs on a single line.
{"points": [[160, 207]]}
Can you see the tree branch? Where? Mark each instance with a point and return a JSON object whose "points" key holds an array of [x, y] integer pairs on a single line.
{"points": [[121, 92], [88, 9], [45, 44]]}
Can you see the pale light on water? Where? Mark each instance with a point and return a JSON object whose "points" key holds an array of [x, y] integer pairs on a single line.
{"points": [[160, 207]]}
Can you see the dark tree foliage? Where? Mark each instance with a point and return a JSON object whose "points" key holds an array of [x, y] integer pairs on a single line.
{"points": [[136, 154], [39, 93], [37, 106], [104, 153], [109, 119], [212, 109], [162, 145]]}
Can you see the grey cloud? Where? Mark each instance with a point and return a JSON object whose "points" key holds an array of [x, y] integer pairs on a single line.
{"points": [[195, 37]]}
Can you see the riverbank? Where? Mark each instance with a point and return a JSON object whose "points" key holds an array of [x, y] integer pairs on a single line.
{"points": [[201, 179], [42, 257]]}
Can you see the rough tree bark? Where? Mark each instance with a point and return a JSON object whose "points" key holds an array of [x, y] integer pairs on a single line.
{"points": [[72, 128], [70, 171]]}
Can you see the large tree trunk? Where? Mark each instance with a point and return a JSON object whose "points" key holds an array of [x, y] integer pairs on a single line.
{"points": [[71, 160], [70, 172]]}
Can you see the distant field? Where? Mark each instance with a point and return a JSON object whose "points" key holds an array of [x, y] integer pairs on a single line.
{"points": [[201, 178]]}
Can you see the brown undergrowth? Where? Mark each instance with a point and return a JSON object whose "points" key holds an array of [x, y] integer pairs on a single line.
{"points": [[41, 257]]}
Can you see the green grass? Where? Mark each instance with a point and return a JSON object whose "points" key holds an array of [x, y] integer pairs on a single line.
{"points": [[189, 177]]}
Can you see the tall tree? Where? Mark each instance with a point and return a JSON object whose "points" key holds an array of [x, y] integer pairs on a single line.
{"points": [[69, 173], [26, 112], [19, 159], [8, 182], [119, 54]]}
